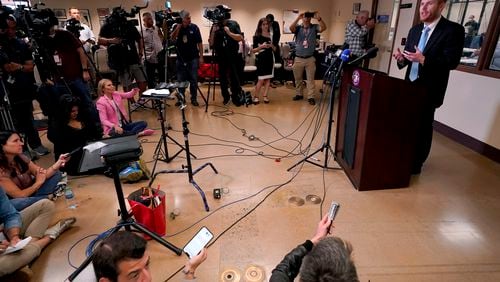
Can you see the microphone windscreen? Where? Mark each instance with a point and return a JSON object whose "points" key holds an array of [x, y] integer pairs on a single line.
{"points": [[371, 51], [345, 55]]}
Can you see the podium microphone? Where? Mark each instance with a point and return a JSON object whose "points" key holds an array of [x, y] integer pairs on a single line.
{"points": [[368, 52], [345, 55]]}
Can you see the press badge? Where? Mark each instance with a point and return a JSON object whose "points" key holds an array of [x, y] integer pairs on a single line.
{"points": [[305, 44], [185, 39], [11, 79], [57, 60]]}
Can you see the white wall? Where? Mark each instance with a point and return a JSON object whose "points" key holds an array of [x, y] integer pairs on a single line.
{"points": [[472, 106]]}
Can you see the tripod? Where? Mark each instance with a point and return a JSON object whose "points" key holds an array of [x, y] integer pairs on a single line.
{"points": [[327, 144], [161, 150], [188, 168], [126, 220]]}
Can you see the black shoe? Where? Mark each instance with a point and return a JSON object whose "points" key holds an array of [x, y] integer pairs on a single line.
{"points": [[236, 101], [195, 103], [226, 100], [298, 97], [311, 101]]}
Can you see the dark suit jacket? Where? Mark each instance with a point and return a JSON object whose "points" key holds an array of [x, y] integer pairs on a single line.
{"points": [[442, 54]]}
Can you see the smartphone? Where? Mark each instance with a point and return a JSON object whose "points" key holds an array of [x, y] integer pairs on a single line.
{"points": [[334, 209], [309, 14], [198, 242]]}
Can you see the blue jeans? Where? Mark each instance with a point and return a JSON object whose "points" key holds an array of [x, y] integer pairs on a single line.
{"points": [[131, 128], [188, 71], [47, 188]]}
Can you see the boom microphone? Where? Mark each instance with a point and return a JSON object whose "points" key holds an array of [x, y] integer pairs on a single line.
{"points": [[368, 52]]}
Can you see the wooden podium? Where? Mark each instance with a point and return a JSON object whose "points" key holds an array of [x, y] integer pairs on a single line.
{"points": [[376, 127]]}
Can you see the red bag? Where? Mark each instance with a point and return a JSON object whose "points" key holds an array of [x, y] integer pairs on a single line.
{"points": [[205, 71], [147, 213]]}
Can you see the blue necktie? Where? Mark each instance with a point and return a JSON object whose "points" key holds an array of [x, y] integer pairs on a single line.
{"points": [[421, 46]]}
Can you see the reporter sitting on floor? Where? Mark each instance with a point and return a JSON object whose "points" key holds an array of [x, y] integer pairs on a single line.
{"points": [[74, 132], [325, 259], [123, 256], [112, 113], [24, 181], [31, 222]]}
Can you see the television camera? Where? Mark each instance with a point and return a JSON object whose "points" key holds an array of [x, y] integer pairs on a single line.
{"points": [[168, 18], [217, 14], [74, 26]]}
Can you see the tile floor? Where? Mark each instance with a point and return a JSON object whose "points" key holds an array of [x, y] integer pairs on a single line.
{"points": [[442, 228]]}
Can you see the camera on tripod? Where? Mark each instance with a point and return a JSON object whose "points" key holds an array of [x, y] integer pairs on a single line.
{"points": [[167, 17], [119, 16], [217, 14]]}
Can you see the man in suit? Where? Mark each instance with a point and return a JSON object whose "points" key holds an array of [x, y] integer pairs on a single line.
{"points": [[433, 48]]}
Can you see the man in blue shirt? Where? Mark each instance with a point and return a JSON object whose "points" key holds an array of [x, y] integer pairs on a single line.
{"points": [[305, 45], [189, 45]]}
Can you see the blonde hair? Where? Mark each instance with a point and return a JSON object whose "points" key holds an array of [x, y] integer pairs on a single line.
{"points": [[100, 86]]}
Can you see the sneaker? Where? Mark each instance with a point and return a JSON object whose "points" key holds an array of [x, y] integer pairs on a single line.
{"points": [[41, 150], [195, 103], [226, 100], [141, 164], [59, 191], [130, 174], [298, 97], [147, 132], [64, 178], [311, 101], [63, 225]]}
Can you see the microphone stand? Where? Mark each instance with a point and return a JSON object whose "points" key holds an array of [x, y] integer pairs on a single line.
{"points": [[327, 144]]}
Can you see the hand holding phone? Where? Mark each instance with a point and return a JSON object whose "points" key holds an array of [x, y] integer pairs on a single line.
{"points": [[198, 242]]}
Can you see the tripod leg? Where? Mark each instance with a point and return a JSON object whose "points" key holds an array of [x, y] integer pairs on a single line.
{"points": [[202, 96], [203, 166], [157, 238], [202, 194]]}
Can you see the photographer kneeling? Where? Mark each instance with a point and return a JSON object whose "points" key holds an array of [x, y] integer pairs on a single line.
{"points": [[224, 37]]}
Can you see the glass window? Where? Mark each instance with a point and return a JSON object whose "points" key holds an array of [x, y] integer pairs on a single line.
{"points": [[481, 21], [495, 60]]}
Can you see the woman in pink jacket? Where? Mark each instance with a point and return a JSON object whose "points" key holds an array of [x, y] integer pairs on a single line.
{"points": [[112, 113]]}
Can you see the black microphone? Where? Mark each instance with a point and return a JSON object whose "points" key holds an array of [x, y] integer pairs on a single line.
{"points": [[368, 52]]}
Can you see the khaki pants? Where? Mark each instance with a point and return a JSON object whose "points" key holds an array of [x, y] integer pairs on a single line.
{"points": [[309, 65], [35, 220]]}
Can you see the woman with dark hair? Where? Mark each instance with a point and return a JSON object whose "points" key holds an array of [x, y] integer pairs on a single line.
{"points": [[22, 180], [73, 133], [264, 59]]}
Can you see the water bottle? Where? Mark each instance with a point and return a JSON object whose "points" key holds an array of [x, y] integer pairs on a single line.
{"points": [[71, 202]]}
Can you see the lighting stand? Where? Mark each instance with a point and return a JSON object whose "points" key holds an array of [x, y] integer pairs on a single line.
{"points": [[187, 168], [161, 150]]}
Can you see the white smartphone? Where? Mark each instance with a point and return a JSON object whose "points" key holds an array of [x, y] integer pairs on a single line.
{"points": [[198, 242]]}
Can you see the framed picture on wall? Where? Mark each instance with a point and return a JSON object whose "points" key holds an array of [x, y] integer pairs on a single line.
{"points": [[288, 17], [102, 12], [85, 14], [356, 7], [60, 13]]}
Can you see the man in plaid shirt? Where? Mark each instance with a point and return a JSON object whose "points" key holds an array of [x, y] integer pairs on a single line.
{"points": [[356, 33]]}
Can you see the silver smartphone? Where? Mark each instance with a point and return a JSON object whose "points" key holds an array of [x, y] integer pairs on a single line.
{"points": [[198, 242]]}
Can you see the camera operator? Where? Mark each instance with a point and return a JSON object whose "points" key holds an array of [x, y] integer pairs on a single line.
{"points": [[87, 37], [121, 36], [224, 37], [189, 45], [17, 66], [305, 40], [63, 68], [153, 45]]}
